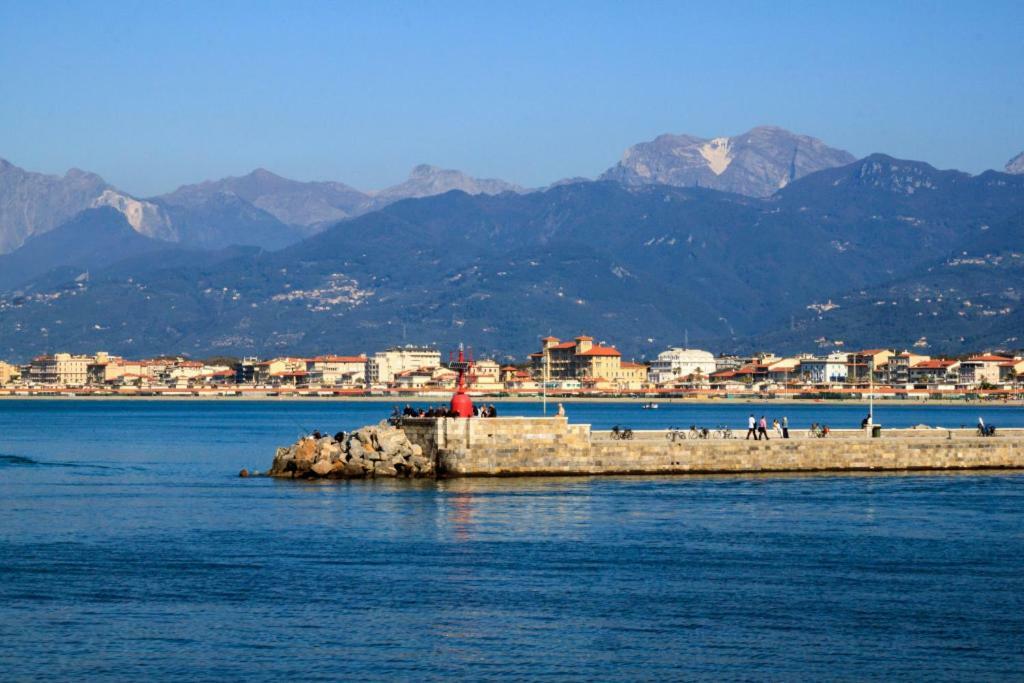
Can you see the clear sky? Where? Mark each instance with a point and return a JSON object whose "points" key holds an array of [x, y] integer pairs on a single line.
{"points": [[152, 95]]}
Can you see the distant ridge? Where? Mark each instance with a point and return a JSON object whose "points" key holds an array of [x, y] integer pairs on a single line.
{"points": [[756, 163], [1016, 164]]}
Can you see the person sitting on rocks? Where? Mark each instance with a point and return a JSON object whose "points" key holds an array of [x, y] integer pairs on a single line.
{"points": [[492, 411], [316, 434], [339, 437]]}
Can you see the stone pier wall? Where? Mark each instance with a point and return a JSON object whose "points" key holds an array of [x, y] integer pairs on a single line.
{"points": [[535, 446]]}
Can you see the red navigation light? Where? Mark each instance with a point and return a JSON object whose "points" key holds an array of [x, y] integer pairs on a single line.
{"points": [[461, 404]]}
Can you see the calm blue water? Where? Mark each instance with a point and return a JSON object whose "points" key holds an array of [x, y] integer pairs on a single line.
{"points": [[129, 549]]}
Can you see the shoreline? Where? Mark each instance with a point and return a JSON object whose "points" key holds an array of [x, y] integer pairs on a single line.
{"points": [[552, 402]]}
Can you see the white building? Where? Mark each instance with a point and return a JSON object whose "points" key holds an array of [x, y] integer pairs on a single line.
{"points": [[337, 371], [676, 363], [382, 367], [830, 370]]}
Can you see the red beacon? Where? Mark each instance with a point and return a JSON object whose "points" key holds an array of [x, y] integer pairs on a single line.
{"points": [[461, 404]]}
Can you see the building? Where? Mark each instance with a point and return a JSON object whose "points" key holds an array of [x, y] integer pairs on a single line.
{"points": [[677, 363], [1012, 371], [60, 370], [829, 370], [281, 372], [337, 371], [783, 370], [436, 378], [934, 371], [383, 366], [485, 375], [8, 373], [900, 364], [863, 362], [984, 369], [578, 359]]}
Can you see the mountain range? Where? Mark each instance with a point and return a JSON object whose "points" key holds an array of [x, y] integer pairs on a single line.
{"points": [[258, 209], [756, 163], [875, 251]]}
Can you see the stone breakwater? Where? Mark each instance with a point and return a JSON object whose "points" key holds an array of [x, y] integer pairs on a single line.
{"points": [[552, 446], [374, 451], [459, 447]]}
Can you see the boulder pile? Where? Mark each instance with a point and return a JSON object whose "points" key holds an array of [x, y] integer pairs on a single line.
{"points": [[374, 451]]}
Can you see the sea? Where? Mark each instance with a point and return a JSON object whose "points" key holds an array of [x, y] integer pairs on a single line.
{"points": [[131, 550]]}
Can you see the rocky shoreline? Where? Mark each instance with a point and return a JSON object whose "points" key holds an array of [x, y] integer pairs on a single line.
{"points": [[373, 451]]}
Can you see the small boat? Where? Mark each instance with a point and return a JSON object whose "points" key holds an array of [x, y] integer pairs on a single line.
{"points": [[650, 406]]}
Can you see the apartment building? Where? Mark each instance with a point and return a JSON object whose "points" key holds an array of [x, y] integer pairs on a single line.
{"points": [[578, 359], [60, 370], [678, 363], [977, 370], [831, 369], [383, 366], [337, 371]]}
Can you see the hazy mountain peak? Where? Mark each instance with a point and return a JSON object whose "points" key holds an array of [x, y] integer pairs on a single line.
{"points": [[34, 203], [756, 163], [426, 180], [1016, 164], [145, 218]]}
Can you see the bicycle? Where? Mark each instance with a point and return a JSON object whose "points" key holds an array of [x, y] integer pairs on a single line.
{"points": [[723, 432], [624, 433], [674, 434]]}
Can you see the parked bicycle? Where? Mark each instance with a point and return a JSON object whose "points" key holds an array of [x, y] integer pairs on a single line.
{"points": [[622, 433], [818, 431], [675, 434], [723, 432]]}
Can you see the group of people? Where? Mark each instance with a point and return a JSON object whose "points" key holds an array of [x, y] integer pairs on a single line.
{"points": [[759, 428], [440, 411]]}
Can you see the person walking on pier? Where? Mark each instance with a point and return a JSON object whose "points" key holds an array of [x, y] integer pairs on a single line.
{"points": [[762, 428], [785, 427], [752, 428]]}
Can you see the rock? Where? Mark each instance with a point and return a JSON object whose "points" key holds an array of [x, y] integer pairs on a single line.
{"points": [[322, 467], [379, 450]]}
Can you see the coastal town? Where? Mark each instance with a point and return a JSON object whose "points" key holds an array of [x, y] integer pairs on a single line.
{"points": [[579, 367]]}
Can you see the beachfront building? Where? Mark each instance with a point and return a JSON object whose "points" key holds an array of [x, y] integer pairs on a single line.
{"points": [[518, 380], [426, 379], [581, 359], [9, 373], [284, 371], [1012, 371], [485, 375], [383, 366], [727, 362], [677, 362], [337, 371], [935, 371], [863, 362], [783, 370], [60, 370], [831, 369], [984, 369], [898, 367]]}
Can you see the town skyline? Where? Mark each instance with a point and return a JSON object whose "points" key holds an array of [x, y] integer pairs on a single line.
{"points": [[578, 366]]}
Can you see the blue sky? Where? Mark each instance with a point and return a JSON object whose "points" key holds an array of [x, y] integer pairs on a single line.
{"points": [[154, 95]]}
